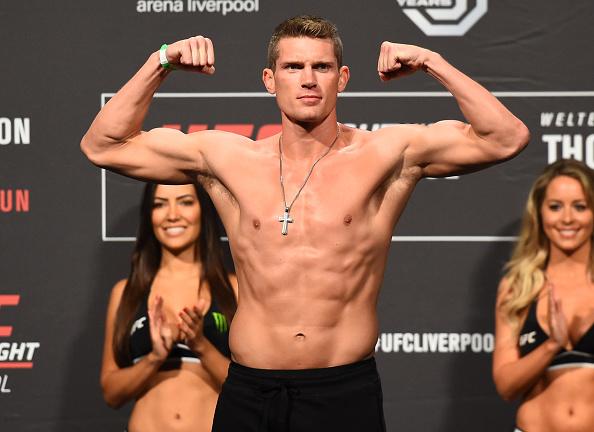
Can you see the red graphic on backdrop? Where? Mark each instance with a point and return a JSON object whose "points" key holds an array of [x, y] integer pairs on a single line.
{"points": [[14, 350], [14, 200], [7, 300]]}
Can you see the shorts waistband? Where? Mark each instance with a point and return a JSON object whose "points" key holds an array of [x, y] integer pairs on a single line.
{"points": [[279, 391], [362, 367]]}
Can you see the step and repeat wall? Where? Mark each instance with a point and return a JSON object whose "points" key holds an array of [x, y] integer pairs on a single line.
{"points": [[66, 227]]}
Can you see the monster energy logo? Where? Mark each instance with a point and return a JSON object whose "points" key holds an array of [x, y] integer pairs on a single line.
{"points": [[220, 322]]}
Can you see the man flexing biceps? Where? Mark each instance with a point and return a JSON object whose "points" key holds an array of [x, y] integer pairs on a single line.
{"points": [[309, 214]]}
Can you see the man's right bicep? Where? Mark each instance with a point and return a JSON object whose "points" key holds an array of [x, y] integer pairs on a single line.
{"points": [[159, 155]]}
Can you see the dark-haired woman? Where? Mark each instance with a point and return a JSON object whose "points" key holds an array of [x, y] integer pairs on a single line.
{"points": [[166, 336], [544, 328]]}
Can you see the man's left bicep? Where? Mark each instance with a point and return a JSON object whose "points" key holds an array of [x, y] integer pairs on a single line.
{"points": [[450, 147]]}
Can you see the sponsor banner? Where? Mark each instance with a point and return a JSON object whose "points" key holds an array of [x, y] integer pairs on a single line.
{"points": [[567, 130], [561, 127], [444, 17], [435, 343], [15, 130], [222, 7], [13, 354], [15, 200]]}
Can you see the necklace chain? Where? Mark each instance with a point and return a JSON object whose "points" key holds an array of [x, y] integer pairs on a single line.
{"points": [[280, 151]]}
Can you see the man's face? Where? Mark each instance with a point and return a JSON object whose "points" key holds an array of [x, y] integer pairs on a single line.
{"points": [[306, 79]]}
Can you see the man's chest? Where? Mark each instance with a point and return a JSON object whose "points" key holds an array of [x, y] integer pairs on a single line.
{"points": [[340, 191]]}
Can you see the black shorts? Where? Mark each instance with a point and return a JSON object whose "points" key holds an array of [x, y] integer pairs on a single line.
{"points": [[343, 398]]}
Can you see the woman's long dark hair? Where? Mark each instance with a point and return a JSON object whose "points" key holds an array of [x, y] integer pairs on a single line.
{"points": [[146, 260]]}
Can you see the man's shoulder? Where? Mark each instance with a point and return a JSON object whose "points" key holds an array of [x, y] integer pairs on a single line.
{"points": [[220, 140], [221, 136], [398, 135], [264, 146], [398, 129], [390, 144]]}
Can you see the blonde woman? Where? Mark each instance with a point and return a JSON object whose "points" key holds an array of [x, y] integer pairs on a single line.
{"points": [[166, 334], [544, 318]]}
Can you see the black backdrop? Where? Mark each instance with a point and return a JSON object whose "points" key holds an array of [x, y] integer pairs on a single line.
{"points": [[65, 226]]}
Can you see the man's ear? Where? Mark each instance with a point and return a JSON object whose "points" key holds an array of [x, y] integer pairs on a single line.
{"points": [[268, 80], [344, 75]]}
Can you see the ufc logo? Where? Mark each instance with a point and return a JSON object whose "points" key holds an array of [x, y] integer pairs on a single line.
{"points": [[8, 300]]}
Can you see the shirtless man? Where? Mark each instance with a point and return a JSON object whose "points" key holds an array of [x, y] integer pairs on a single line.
{"points": [[309, 245]]}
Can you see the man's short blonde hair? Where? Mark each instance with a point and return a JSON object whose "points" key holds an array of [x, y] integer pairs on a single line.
{"points": [[304, 26]]}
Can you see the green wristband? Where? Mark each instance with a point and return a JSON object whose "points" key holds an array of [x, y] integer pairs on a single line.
{"points": [[163, 57]]}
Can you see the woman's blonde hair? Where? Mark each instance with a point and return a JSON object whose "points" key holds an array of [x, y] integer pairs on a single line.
{"points": [[525, 271]]}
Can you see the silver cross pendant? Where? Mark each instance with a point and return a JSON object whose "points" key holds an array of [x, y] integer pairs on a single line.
{"points": [[286, 220]]}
